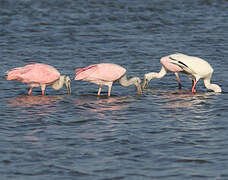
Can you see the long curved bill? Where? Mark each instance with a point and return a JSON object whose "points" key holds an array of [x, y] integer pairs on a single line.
{"points": [[145, 83], [139, 89], [68, 87]]}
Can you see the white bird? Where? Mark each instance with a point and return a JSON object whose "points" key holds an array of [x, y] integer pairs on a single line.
{"points": [[195, 67]]}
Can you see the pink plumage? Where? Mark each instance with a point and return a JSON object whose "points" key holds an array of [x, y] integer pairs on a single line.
{"points": [[100, 73], [34, 75], [165, 61]]}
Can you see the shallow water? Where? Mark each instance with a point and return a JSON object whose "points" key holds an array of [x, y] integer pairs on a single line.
{"points": [[165, 133]]}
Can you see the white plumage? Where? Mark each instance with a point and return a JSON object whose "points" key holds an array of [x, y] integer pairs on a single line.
{"points": [[195, 67]]}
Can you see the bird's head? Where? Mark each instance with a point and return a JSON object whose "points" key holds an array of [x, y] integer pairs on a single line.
{"points": [[138, 85], [146, 80], [67, 84], [216, 88], [57, 85]]}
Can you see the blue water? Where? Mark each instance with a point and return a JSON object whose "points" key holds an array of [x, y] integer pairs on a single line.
{"points": [[165, 133]]}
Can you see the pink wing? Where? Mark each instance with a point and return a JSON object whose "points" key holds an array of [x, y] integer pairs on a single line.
{"points": [[85, 72], [15, 74], [34, 73], [165, 61], [104, 71]]}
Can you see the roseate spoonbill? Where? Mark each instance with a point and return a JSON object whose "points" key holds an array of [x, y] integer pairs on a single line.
{"points": [[195, 67], [106, 74], [39, 75]]}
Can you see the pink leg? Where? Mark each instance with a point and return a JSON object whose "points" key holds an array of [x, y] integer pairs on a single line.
{"points": [[178, 80], [43, 89], [193, 86], [99, 91], [109, 90], [30, 91]]}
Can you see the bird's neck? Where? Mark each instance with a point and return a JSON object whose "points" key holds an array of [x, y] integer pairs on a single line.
{"points": [[59, 83], [213, 87], [133, 81], [125, 82], [159, 75]]}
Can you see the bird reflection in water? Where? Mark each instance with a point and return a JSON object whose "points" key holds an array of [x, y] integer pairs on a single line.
{"points": [[27, 101], [39, 105], [187, 113], [101, 105], [185, 99]]}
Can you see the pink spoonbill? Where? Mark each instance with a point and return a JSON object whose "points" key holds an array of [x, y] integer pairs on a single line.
{"points": [[39, 75], [195, 67], [106, 74]]}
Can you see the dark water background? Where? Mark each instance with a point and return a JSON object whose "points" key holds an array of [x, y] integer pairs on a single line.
{"points": [[163, 134]]}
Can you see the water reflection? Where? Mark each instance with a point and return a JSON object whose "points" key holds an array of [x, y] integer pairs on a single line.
{"points": [[103, 105], [184, 106], [175, 99], [28, 101], [187, 111], [32, 136], [185, 98], [35, 105]]}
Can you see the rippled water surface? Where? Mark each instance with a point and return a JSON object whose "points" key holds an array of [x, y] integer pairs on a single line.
{"points": [[165, 133]]}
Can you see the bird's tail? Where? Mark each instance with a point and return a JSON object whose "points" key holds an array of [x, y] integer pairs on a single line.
{"points": [[10, 77], [15, 73]]}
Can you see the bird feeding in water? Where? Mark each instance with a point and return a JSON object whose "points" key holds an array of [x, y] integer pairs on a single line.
{"points": [[39, 75], [195, 67], [107, 74]]}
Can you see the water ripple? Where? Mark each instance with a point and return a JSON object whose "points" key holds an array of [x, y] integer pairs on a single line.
{"points": [[165, 133]]}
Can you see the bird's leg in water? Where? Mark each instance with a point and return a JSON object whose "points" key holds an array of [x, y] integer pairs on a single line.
{"points": [[109, 90], [178, 80], [43, 89], [193, 86], [30, 91], [99, 90]]}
